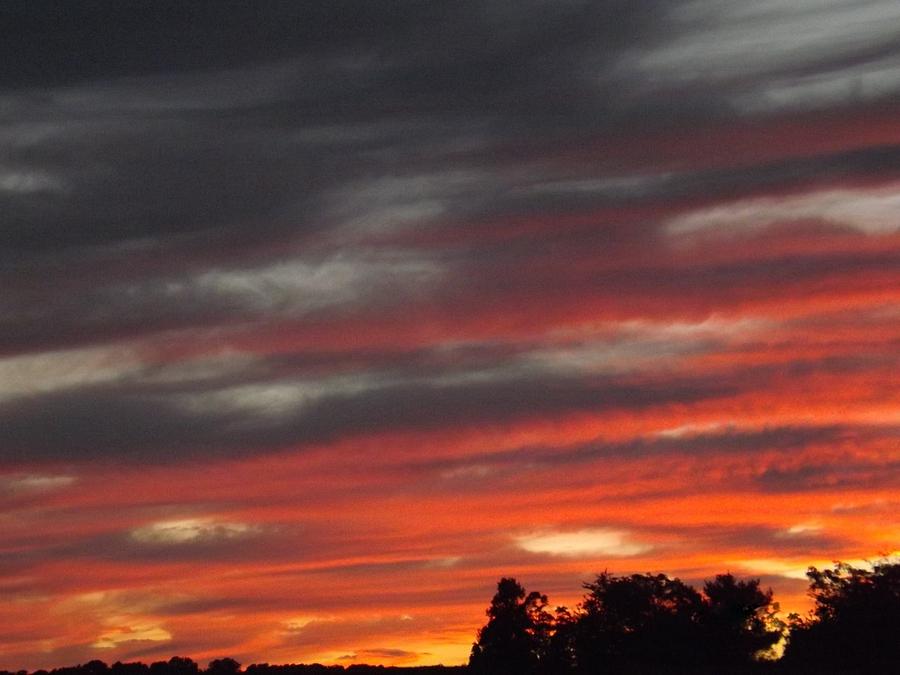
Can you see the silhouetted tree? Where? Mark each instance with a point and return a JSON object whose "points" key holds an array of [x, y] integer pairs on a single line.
{"points": [[855, 624], [182, 664], [639, 619], [134, 668], [224, 666], [515, 637], [560, 655], [177, 665], [739, 621]]}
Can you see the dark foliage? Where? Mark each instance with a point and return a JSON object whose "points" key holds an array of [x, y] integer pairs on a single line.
{"points": [[855, 624], [653, 620], [226, 666], [355, 669], [178, 665], [632, 624], [514, 639], [738, 621]]}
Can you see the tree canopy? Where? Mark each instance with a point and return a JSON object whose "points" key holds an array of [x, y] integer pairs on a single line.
{"points": [[629, 623], [854, 626], [514, 639]]}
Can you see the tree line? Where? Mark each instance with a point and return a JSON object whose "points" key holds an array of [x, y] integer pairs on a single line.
{"points": [[180, 665], [647, 624], [653, 624]]}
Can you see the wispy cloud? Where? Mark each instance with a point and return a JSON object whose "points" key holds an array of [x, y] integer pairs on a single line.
{"points": [[191, 531], [581, 543], [869, 211]]}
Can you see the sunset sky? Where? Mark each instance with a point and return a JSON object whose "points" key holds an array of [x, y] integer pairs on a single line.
{"points": [[316, 318]]}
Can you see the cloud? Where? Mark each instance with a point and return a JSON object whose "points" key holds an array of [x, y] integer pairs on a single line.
{"points": [[873, 506], [744, 50], [782, 568], [291, 289], [791, 569], [803, 529], [120, 618], [698, 443], [639, 345], [845, 475], [301, 622], [191, 531], [583, 543], [869, 211], [875, 80], [147, 425], [339, 632], [397, 202], [234, 406], [140, 632], [452, 80], [27, 182], [296, 288], [382, 653], [28, 483], [439, 563], [49, 371]]}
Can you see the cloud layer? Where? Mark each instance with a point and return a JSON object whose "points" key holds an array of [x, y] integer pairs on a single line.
{"points": [[319, 318]]}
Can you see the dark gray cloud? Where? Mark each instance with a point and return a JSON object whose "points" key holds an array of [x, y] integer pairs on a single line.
{"points": [[141, 121], [767, 540], [95, 41], [852, 474], [395, 286], [147, 144], [698, 444], [111, 422], [674, 189], [186, 540], [184, 410], [382, 653], [204, 136]]}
